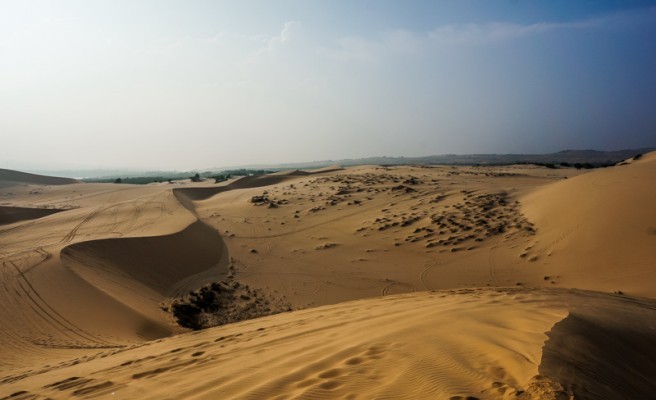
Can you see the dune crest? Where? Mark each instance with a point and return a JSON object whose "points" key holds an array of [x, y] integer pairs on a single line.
{"points": [[598, 230]]}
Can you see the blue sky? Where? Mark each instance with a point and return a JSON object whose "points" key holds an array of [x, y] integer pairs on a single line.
{"points": [[201, 84]]}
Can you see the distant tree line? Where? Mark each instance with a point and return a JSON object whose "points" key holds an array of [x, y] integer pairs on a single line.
{"points": [[196, 177], [135, 180], [586, 165]]}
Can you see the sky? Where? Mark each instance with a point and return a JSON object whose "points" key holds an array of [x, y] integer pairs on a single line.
{"points": [[162, 84]]}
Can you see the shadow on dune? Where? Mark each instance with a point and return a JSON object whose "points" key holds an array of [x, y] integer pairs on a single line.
{"points": [[141, 272], [9, 215], [158, 263], [606, 351]]}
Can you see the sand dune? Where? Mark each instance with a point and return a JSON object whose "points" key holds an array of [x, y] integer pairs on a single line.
{"points": [[467, 344], [57, 308], [598, 231], [10, 214], [91, 291], [144, 271], [8, 177], [364, 232]]}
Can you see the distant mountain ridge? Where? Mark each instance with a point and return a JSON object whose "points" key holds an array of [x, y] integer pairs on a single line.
{"points": [[593, 157]]}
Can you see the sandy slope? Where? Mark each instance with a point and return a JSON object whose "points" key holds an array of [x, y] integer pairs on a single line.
{"points": [[86, 286], [363, 232], [55, 308], [598, 231], [474, 344]]}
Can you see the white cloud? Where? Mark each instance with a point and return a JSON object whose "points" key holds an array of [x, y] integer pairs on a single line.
{"points": [[290, 32], [291, 28], [248, 45]]}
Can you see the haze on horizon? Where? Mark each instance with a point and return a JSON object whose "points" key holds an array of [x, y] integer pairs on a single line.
{"points": [[199, 84]]}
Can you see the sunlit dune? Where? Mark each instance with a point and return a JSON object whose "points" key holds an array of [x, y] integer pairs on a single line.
{"points": [[350, 200], [463, 344], [366, 282], [598, 231]]}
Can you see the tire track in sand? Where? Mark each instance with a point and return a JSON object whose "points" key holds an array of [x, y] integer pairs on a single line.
{"points": [[52, 316]]}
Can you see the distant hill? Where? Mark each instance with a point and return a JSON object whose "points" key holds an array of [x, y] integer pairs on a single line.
{"points": [[8, 175]]}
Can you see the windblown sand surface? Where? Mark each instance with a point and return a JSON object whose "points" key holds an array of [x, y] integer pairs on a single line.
{"points": [[94, 277], [465, 344]]}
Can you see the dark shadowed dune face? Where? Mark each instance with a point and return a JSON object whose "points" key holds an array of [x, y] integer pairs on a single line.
{"points": [[157, 262], [9, 215], [604, 349]]}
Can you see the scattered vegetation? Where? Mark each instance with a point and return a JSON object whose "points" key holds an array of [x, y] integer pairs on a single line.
{"points": [[584, 166], [264, 199], [220, 178], [224, 302], [564, 164]]}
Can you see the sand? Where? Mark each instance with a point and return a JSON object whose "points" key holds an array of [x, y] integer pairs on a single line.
{"points": [[405, 282], [464, 344], [599, 231]]}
